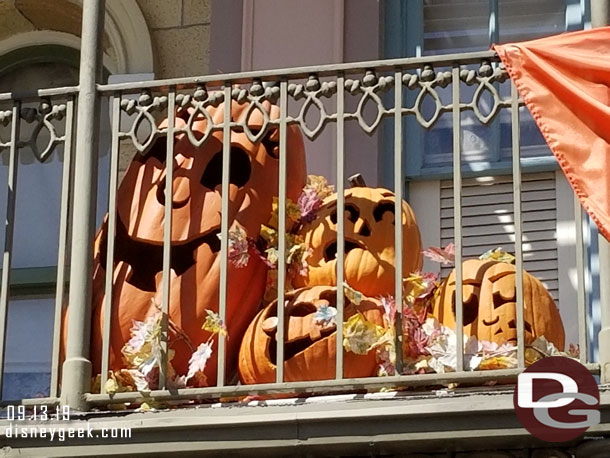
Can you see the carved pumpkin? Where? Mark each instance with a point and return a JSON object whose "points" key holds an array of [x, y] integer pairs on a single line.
{"points": [[369, 242], [195, 246], [489, 298], [310, 348]]}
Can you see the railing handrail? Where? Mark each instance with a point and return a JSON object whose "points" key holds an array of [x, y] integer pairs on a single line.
{"points": [[39, 93], [270, 75], [302, 72]]}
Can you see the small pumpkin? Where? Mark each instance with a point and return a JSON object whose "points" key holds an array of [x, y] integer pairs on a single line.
{"points": [[195, 246], [369, 242], [489, 304], [310, 347]]}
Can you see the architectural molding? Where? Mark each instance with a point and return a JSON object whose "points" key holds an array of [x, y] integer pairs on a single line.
{"points": [[47, 37], [126, 29], [130, 37]]}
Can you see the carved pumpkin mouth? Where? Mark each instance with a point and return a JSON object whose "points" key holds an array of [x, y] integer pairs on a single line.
{"points": [[146, 258], [330, 252], [295, 345]]}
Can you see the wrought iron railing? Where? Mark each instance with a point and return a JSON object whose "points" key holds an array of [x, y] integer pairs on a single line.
{"points": [[139, 107]]}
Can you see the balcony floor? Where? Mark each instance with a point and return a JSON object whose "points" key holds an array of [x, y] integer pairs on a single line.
{"points": [[379, 424]]}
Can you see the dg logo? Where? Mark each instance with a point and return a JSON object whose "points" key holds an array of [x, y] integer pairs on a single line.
{"points": [[557, 399]]}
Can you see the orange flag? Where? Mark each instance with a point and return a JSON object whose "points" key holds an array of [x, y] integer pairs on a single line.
{"points": [[565, 83]]}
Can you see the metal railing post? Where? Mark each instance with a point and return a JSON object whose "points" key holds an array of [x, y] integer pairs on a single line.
{"points": [[604, 333], [600, 16], [76, 376]]}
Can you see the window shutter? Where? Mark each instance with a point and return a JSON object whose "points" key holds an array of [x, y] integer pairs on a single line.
{"points": [[488, 221]]}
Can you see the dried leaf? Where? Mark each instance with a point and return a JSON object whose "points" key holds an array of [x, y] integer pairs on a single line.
{"points": [[355, 297], [293, 213], [319, 185], [143, 351], [271, 286], [297, 254], [111, 386], [145, 407], [497, 362], [199, 359], [574, 351], [214, 324], [498, 254], [309, 203], [140, 380], [445, 255], [541, 348], [419, 286], [360, 335], [239, 247], [268, 234], [272, 256], [325, 316], [389, 307]]}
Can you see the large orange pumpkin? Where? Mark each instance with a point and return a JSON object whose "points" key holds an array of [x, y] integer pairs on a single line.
{"points": [[310, 348], [489, 304], [369, 242], [196, 214]]}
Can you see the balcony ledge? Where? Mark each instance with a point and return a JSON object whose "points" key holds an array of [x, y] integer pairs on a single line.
{"points": [[372, 425]]}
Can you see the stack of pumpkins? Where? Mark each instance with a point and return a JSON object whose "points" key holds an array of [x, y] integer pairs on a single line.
{"points": [[195, 262], [309, 352]]}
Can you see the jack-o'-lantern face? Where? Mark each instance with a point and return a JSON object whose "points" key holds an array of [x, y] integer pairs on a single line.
{"points": [[196, 219], [196, 199], [489, 304], [369, 242], [310, 347]]}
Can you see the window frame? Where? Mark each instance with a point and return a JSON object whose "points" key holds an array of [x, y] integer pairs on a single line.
{"points": [[402, 36]]}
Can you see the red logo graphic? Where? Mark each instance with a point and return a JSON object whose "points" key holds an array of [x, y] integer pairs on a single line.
{"points": [[557, 399]]}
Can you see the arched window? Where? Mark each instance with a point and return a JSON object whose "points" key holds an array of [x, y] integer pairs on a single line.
{"points": [[46, 54]]}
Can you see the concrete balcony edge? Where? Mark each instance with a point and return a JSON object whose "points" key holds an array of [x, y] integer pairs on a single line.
{"points": [[326, 425]]}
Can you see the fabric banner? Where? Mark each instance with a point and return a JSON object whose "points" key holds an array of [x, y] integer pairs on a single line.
{"points": [[564, 81]]}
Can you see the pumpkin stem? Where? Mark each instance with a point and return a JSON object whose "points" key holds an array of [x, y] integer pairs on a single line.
{"points": [[356, 181]]}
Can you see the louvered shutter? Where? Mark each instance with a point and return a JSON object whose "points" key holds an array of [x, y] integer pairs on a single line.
{"points": [[488, 221]]}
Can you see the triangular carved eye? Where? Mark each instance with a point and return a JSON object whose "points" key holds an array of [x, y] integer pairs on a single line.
{"points": [[365, 230], [512, 324]]}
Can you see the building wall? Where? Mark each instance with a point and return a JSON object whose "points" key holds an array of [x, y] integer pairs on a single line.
{"points": [[180, 32], [292, 33], [176, 32]]}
